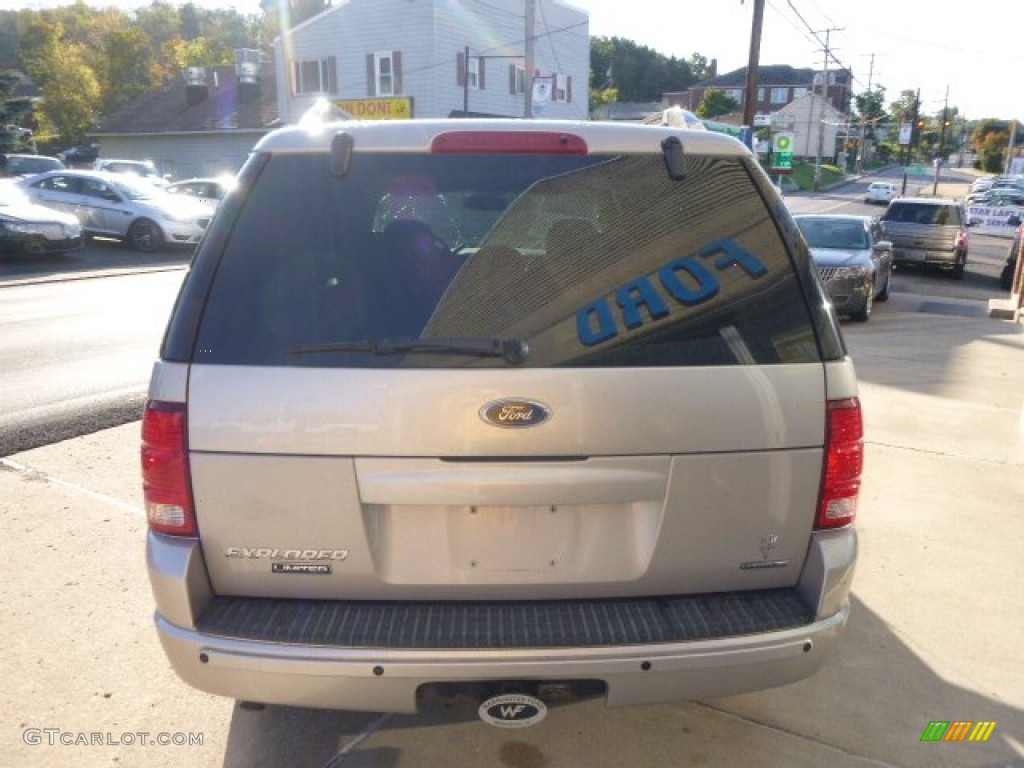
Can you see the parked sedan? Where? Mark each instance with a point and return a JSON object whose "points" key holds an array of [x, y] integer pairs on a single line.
{"points": [[29, 229], [143, 169], [999, 197], [853, 260], [881, 192], [119, 206], [16, 165], [211, 190]]}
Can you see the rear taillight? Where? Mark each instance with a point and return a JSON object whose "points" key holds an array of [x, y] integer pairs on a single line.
{"points": [[844, 461], [961, 239], [165, 476]]}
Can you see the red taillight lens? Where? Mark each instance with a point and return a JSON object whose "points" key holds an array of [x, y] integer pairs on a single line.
{"points": [[509, 142], [961, 239], [165, 476], [844, 462]]}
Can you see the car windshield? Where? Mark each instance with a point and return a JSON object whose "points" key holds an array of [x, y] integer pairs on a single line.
{"points": [[27, 165], [832, 233], [136, 190], [140, 169]]}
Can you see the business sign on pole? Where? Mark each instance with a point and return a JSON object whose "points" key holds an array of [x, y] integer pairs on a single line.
{"points": [[782, 152], [906, 130]]}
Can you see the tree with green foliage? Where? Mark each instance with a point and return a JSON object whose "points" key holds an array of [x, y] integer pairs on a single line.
{"points": [[639, 73], [71, 91], [715, 103], [125, 66], [13, 111], [871, 105]]}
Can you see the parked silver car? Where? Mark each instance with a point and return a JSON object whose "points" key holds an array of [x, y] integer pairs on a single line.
{"points": [[853, 260], [602, 437], [116, 205]]}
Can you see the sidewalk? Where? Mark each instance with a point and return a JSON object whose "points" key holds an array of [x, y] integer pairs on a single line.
{"points": [[934, 633]]}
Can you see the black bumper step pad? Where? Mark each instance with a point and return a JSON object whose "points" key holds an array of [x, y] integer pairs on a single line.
{"points": [[500, 624]]}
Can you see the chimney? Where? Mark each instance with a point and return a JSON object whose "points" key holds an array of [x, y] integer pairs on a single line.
{"points": [[713, 69], [196, 87], [247, 70]]}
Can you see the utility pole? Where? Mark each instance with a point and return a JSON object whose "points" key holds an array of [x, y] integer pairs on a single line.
{"points": [[750, 102], [941, 157], [942, 128], [824, 101], [863, 121], [1009, 147], [915, 133], [531, 7]]}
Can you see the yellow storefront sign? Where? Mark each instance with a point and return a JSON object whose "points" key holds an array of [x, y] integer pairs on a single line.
{"points": [[398, 108]]}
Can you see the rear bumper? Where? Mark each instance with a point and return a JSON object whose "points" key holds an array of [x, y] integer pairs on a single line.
{"points": [[945, 257], [388, 681], [372, 677]]}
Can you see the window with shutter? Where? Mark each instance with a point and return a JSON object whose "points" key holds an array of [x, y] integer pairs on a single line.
{"points": [[384, 73]]}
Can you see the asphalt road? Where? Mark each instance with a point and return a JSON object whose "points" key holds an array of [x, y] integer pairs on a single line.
{"points": [[77, 341]]}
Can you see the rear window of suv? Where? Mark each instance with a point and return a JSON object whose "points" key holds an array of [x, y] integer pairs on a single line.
{"points": [[923, 213], [569, 260]]}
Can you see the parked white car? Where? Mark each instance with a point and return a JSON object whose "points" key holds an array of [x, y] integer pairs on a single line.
{"points": [[116, 205], [144, 169], [881, 192], [209, 189]]}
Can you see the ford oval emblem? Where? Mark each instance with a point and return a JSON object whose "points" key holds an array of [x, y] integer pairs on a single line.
{"points": [[515, 413], [513, 710]]}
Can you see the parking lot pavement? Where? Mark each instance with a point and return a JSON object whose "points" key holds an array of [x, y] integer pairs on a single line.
{"points": [[934, 633]]}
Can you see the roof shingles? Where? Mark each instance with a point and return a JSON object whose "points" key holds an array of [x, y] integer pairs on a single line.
{"points": [[167, 109]]}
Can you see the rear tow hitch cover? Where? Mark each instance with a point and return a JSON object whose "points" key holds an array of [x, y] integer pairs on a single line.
{"points": [[513, 710]]}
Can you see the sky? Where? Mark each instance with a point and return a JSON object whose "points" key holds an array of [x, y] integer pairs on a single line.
{"points": [[971, 55]]}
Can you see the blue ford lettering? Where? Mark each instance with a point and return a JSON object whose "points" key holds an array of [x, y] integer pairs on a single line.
{"points": [[689, 281]]}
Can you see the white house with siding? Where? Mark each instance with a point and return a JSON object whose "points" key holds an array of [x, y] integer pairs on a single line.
{"points": [[814, 122], [374, 59], [408, 58]]}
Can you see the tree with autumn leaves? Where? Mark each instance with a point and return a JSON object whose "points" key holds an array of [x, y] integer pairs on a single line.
{"points": [[89, 62]]}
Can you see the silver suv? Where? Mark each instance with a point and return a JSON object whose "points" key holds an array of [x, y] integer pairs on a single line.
{"points": [[513, 409], [928, 231]]}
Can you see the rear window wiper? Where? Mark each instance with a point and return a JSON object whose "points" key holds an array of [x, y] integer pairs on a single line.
{"points": [[514, 351]]}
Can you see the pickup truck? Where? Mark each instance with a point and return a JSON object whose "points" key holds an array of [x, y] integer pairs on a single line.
{"points": [[928, 230]]}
